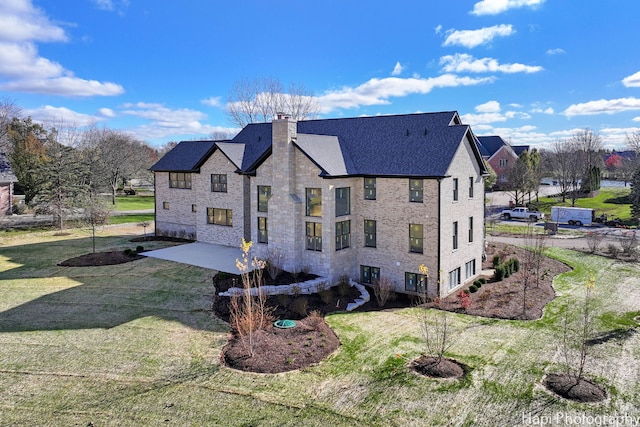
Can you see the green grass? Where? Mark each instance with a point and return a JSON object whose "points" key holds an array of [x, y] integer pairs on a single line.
{"points": [[123, 219], [135, 344], [611, 201], [134, 203]]}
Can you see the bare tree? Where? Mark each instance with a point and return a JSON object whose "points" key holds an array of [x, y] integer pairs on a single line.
{"points": [[588, 145], [8, 111], [258, 100], [112, 157], [437, 333], [566, 166], [633, 142], [95, 214]]}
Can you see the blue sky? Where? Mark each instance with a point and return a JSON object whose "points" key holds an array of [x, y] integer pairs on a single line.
{"points": [[531, 71]]}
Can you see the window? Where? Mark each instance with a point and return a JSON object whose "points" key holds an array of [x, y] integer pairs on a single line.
{"points": [[343, 235], [455, 189], [370, 188], [165, 205], [369, 233], [369, 275], [470, 268], [314, 201], [218, 183], [416, 238], [454, 278], [263, 234], [503, 163], [343, 201], [415, 190], [314, 236], [264, 194], [455, 235], [414, 282], [220, 216], [471, 181], [194, 208], [470, 229], [180, 180]]}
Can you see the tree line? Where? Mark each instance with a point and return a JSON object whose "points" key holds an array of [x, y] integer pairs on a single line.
{"points": [[60, 168], [576, 166]]}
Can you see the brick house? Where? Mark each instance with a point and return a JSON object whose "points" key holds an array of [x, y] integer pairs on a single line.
{"points": [[366, 197], [500, 155], [7, 180]]}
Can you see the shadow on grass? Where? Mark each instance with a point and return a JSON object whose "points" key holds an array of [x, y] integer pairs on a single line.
{"points": [[103, 296]]}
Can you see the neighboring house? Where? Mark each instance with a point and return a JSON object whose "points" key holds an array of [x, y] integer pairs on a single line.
{"points": [[7, 179], [366, 197], [500, 155]]}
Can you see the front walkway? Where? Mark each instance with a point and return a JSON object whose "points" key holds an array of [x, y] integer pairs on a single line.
{"points": [[206, 255]]}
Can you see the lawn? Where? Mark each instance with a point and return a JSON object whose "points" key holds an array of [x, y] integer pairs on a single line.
{"points": [[134, 203], [611, 201], [136, 344]]}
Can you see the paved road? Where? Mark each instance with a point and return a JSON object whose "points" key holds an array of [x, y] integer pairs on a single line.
{"points": [[610, 236]]}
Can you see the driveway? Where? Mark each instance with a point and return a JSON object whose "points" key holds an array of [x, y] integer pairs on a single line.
{"points": [[206, 255]]}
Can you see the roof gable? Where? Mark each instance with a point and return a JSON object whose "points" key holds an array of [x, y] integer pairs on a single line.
{"points": [[324, 151], [187, 156]]}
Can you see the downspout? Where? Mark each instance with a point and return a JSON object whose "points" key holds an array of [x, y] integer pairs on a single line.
{"points": [[440, 280], [155, 206]]}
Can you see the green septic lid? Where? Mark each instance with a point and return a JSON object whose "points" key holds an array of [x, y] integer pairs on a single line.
{"points": [[285, 323]]}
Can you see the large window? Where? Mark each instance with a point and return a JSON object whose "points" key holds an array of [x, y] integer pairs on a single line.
{"points": [[314, 236], [264, 194], [370, 233], [455, 235], [370, 188], [220, 216], [415, 190], [263, 234], [314, 201], [369, 275], [180, 180], [470, 268], [471, 187], [470, 229], [416, 238], [455, 189], [343, 201], [454, 278], [414, 282], [218, 183], [343, 235]]}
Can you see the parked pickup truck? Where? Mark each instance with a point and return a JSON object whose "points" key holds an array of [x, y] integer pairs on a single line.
{"points": [[522, 213]]}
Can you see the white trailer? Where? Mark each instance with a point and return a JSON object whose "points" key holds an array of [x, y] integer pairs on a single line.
{"points": [[572, 216]]}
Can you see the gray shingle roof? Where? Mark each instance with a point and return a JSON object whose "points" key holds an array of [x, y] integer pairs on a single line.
{"points": [[490, 144], [400, 145], [187, 156]]}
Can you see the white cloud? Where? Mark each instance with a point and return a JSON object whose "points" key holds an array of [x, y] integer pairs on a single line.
{"points": [[556, 51], [465, 63], [107, 112], [64, 86], [603, 106], [632, 80], [378, 91], [494, 7], [104, 4], [22, 69], [21, 21], [473, 38], [636, 119], [438, 29], [397, 70], [214, 101], [488, 107], [482, 118], [55, 115]]}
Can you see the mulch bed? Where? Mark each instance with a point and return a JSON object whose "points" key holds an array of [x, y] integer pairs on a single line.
{"points": [[280, 350], [446, 368], [100, 258], [567, 386]]}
